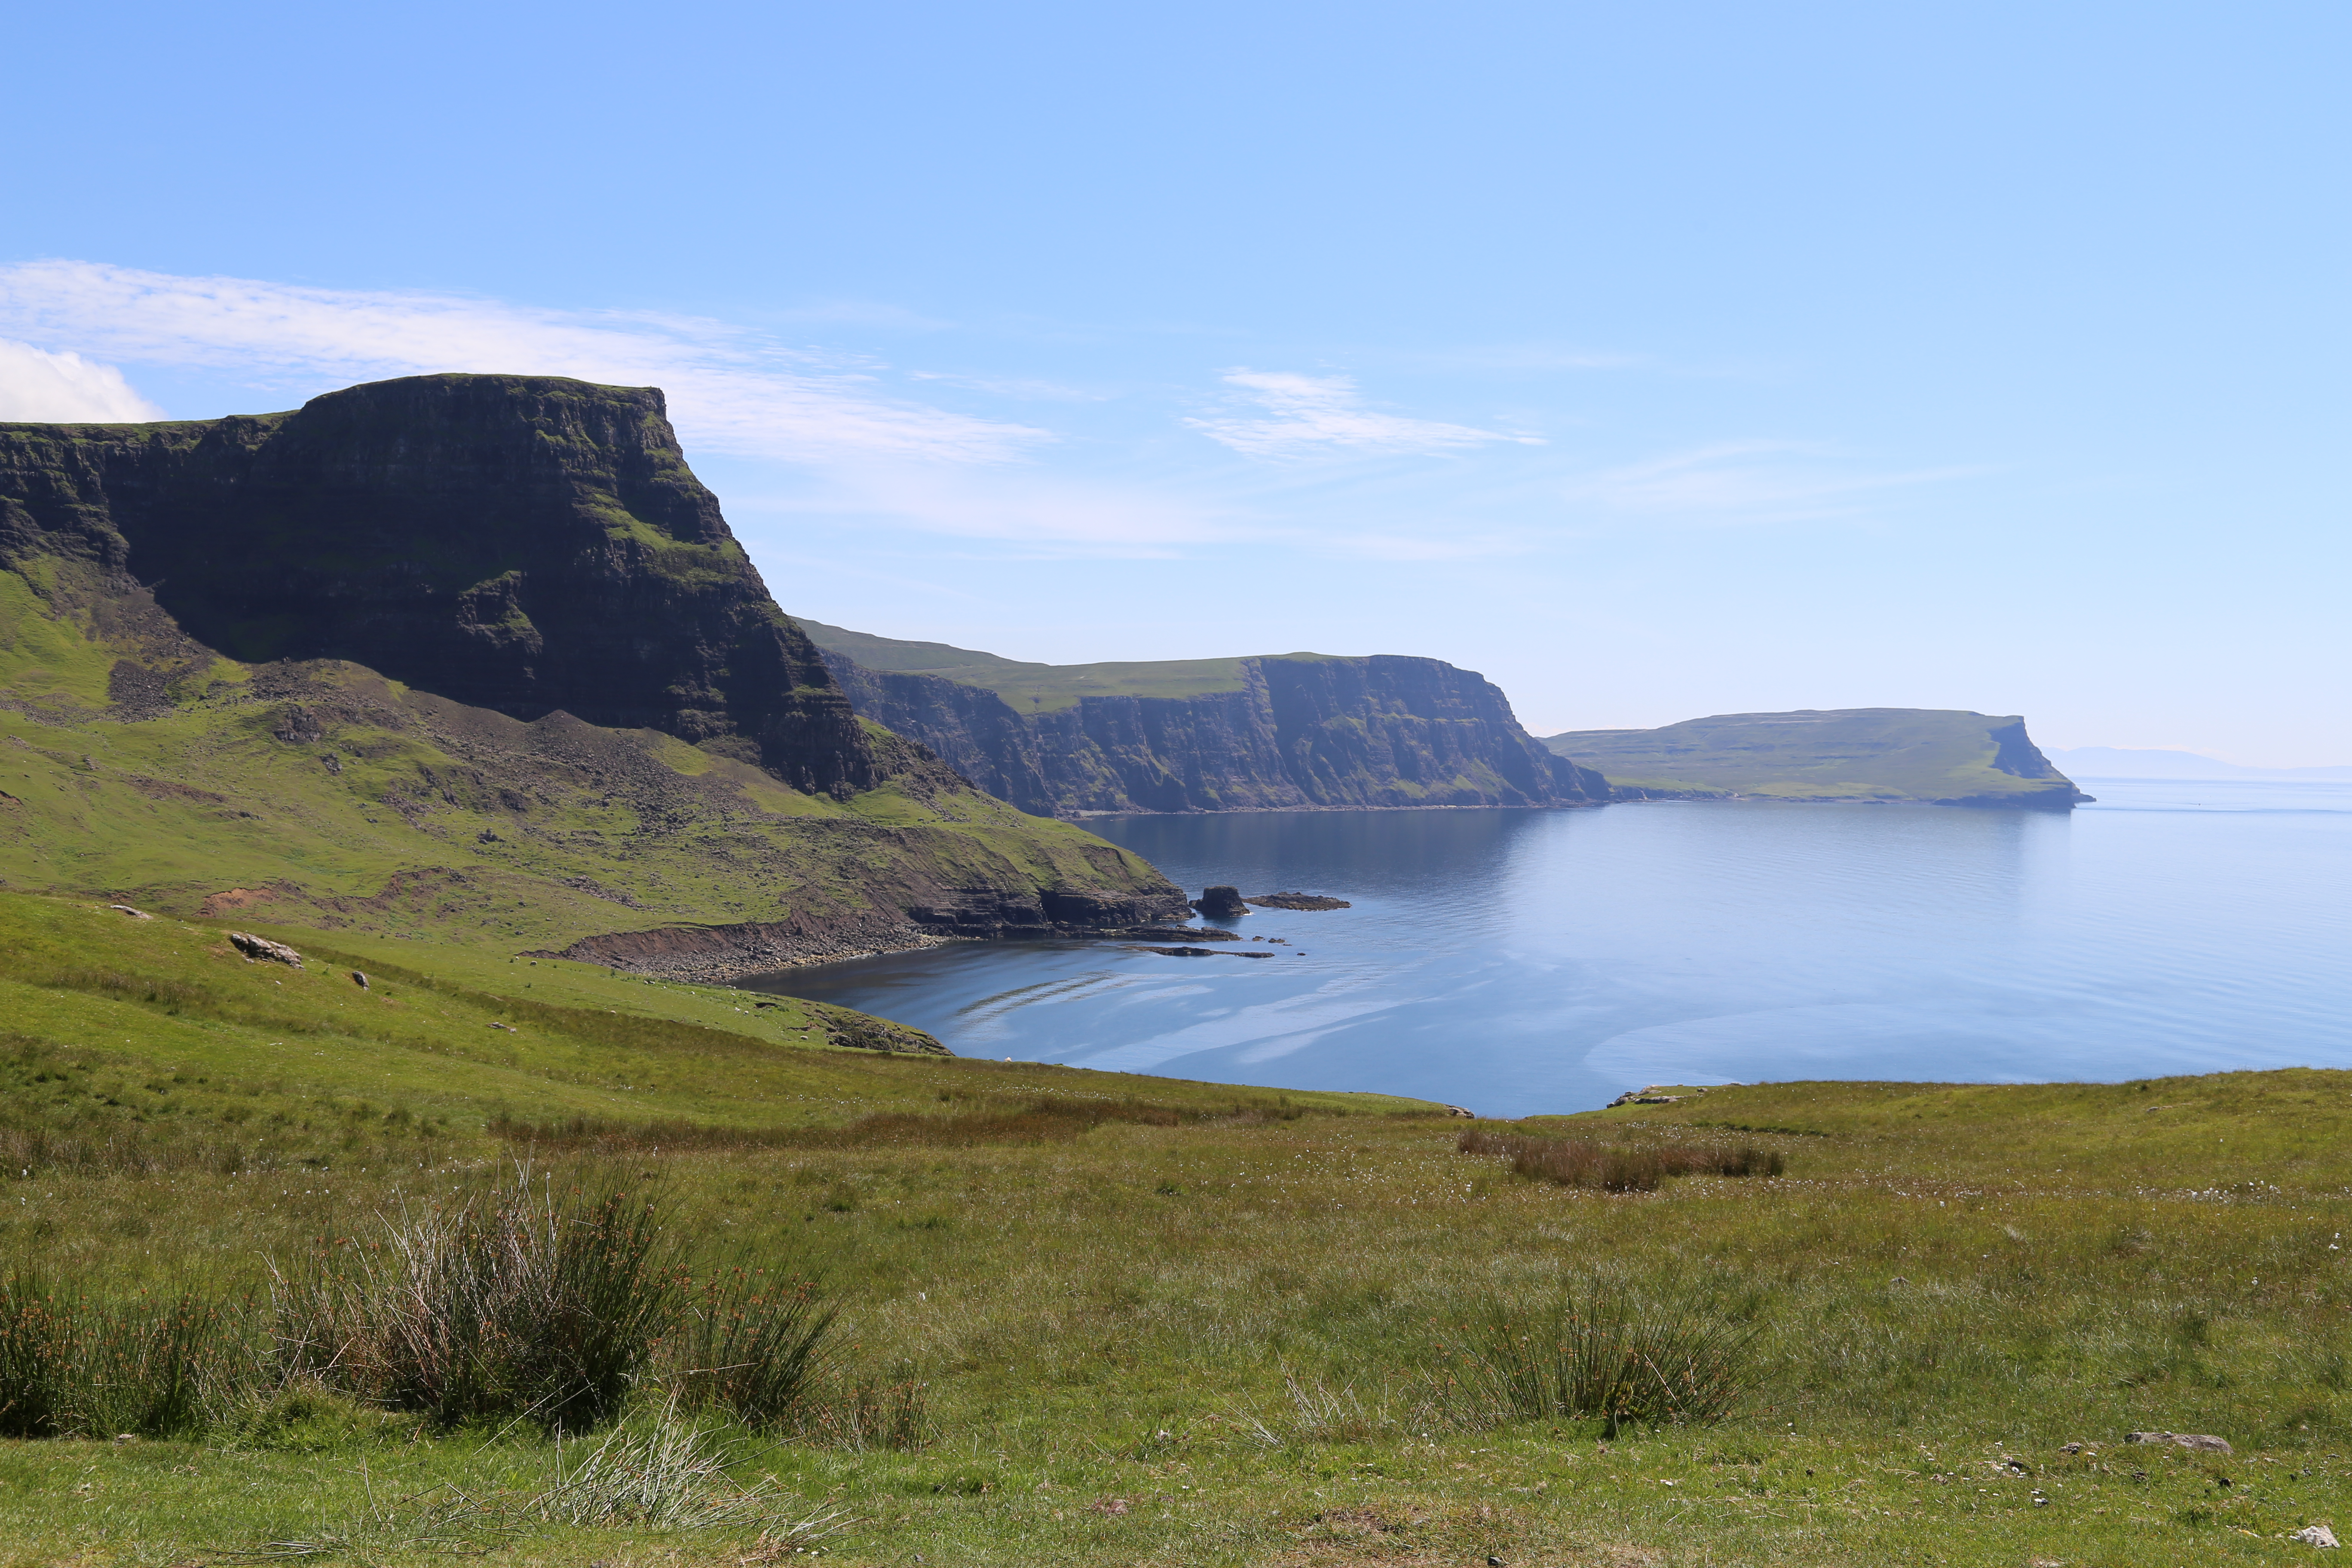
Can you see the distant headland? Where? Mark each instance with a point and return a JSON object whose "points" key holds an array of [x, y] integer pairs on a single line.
{"points": [[1936, 755]]}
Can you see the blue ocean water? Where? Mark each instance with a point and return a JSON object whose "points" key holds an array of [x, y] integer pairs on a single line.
{"points": [[1516, 961]]}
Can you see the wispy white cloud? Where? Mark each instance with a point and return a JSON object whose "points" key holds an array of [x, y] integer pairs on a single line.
{"points": [[65, 388], [730, 390], [1296, 416], [1745, 481]]}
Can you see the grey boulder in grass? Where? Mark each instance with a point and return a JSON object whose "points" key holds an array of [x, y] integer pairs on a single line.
{"points": [[2204, 1443], [258, 948]]}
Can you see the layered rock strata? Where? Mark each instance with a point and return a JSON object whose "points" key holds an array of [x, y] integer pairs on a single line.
{"points": [[521, 543], [473, 657], [1295, 732]]}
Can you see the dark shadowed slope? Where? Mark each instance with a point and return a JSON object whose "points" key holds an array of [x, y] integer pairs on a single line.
{"points": [[521, 543], [473, 657]]}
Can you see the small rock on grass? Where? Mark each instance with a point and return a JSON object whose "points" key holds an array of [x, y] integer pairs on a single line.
{"points": [[2314, 1535], [2204, 1443], [127, 910], [260, 947]]}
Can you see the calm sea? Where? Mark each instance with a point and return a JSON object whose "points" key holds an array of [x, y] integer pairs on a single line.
{"points": [[1516, 961]]}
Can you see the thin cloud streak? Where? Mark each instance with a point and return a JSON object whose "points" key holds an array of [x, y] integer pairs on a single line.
{"points": [[1301, 415], [1743, 481], [731, 390]]}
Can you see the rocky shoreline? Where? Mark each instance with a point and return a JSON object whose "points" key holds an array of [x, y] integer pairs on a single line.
{"points": [[722, 954]]}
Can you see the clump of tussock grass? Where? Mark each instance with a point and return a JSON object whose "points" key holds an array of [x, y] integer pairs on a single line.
{"points": [[663, 1473], [1617, 1167], [1324, 1414], [752, 1343], [508, 1305], [1601, 1351], [76, 1366], [528, 1302], [859, 1414]]}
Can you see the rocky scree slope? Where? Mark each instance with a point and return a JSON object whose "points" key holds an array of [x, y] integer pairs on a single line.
{"points": [[581, 725], [1278, 732], [1939, 756]]}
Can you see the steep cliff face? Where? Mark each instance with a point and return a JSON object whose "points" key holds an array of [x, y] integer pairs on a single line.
{"points": [[1298, 731], [604, 739], [519, 543]]}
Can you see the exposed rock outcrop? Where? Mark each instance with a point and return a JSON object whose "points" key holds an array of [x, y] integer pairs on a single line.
{"points": [[1295, 731], [578, 710], [521, 543], [258, 947], [728, 952], [1221, 903]]}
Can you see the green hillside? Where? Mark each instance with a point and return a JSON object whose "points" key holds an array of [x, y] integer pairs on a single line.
{"points": [[326, 795], [155, 1043], [1945, 756]]}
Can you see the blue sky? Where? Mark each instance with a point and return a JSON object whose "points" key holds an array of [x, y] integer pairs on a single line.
{"points": [[1655, 361]]}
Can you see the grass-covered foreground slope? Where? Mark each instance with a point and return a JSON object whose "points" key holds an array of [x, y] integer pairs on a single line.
{"points": [[1943, 756], [156, 1044], [1195, 1324]]}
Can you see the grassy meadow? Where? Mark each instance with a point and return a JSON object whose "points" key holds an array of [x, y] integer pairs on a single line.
{"points": [[1090, 1318]]}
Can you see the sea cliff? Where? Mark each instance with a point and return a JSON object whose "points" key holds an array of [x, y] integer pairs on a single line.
{"points": [[1278, 732], [1934, 756], [476, 658]]}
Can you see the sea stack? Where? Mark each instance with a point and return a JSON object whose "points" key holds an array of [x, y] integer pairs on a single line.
{"points": [[1221, 903]]}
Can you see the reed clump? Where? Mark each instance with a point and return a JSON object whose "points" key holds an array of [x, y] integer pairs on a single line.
{"points": [[75, 1365], [513, 1303], [1618, 1167], [530, 1303]]}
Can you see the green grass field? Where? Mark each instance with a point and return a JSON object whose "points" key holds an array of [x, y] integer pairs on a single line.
{"points": [[1166, 1322]]}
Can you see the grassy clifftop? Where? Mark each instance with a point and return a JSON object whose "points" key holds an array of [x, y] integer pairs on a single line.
{"points": [[1947, 757], [1038, 687]]}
